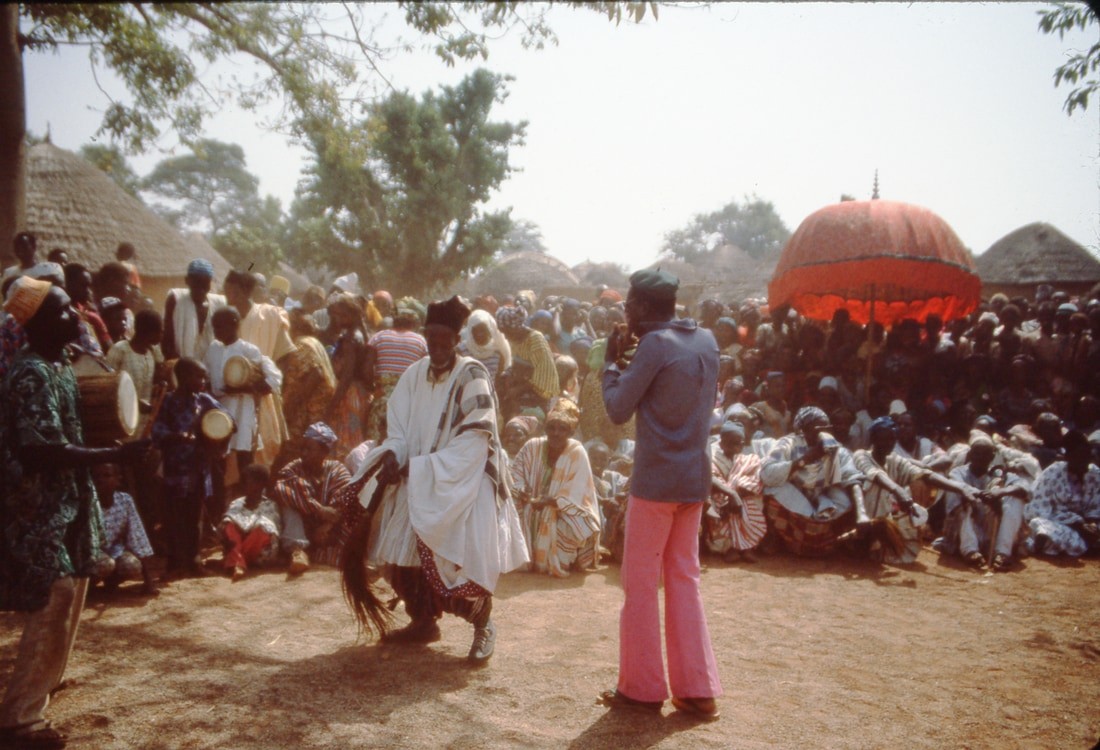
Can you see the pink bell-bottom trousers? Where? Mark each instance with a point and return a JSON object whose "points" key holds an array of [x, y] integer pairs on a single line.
{"points": [[662, 538]]}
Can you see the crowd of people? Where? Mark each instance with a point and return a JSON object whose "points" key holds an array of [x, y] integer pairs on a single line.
{"points": [[263, 417]]}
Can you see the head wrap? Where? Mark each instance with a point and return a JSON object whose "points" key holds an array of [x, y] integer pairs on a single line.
{"points": [[529, 424], [734, 428], [1066, 308], [110, 303], [25, 296], [511, 318], [527, 299], [610, 295], [828, 382], [321, 433], [897, 406], [279, 284], [409, 307], [201, 267], [739, 411], [977, 437], [808, 415], [540, 315], [452, 313], [347, 283], [383, 296], [882, 424], [497, 343], [565, 411], [655, 283]]}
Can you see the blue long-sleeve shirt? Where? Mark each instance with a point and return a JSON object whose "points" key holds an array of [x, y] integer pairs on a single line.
{"points": [[671, 384]]}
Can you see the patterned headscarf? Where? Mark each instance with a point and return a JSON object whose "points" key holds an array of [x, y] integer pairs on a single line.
{"points": [[565, 411], [734, 428], [321, 433], [808, 415], [511, 318], [883, 424]]}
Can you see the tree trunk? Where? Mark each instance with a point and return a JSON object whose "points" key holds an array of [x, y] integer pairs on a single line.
{"points": [[13, 131]]}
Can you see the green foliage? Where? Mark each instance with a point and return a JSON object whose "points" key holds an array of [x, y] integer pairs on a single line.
{"points": [[524, 236], [753, 225], [257, 241], [111, 160], [319, 59], [1081, 70], [400, 197], [209, 190]]}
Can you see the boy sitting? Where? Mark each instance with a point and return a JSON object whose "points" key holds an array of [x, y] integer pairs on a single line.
{"points": [[250, 528], [124, 540]]}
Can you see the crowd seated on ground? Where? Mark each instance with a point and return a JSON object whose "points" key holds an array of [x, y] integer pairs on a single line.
{"points": [[977, 437]]}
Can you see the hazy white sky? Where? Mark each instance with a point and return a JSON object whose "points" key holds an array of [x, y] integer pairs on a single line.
{"points": [[634, 129]]}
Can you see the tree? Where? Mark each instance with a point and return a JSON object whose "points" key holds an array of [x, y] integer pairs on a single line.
{"points": [[258, 238], [410, 211], [209, 190], [1081, 70], [111, 160], [753, 225], [310, 56], [524, 236]]}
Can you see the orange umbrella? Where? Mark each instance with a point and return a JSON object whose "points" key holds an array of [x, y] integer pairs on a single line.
{"points": [[903, 260]]}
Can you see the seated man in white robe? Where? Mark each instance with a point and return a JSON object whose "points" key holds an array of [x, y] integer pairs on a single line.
{"points": [[810, 473], [994, 519], [448, 526], [1064, 511]]}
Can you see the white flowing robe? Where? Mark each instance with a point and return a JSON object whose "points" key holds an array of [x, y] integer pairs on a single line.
{"points": [[190, 341], [450, 500]]}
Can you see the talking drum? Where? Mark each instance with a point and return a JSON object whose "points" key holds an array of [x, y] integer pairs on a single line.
{"points": [[216, 425], [108, 407], [239, 372]]}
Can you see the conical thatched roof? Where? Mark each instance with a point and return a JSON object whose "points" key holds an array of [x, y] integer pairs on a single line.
{"points": [[525, 270], [728, 273], [594, 274], [73, 205], [1036, 254]]}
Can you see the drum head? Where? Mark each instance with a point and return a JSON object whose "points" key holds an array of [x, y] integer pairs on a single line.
{"points": [[127, 403], [237, 371], [217, 424]]}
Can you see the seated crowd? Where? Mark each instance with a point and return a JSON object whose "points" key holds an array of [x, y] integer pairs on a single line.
{"points": [[978, 437]]}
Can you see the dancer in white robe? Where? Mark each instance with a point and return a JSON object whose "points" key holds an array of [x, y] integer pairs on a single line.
{"points": [[448, 525]]}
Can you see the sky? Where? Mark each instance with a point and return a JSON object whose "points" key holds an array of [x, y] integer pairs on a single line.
{"points": [[634, 129]]}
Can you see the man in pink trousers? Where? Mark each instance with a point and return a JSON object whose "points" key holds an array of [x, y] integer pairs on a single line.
{"points": [[665, 371]]}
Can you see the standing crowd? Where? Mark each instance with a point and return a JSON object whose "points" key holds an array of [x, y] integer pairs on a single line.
{"points": [[267, 421]]}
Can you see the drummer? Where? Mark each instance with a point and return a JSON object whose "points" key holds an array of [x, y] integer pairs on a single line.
{"points": [[240, 400], [50, 522], [188, 462]]}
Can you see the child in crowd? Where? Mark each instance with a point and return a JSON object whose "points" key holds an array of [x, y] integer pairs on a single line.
{"points": [[124, 540], [188, 458], [241, 402], [250, 528]]}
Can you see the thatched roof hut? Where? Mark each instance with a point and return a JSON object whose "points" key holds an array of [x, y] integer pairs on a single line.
{"points": [[73, 205], [523, 270], [1032, 255], [593, 274], [728, 274]]}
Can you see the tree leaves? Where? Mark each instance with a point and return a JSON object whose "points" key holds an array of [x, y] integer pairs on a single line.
{"points": [[753, 225], [1079, 68]]}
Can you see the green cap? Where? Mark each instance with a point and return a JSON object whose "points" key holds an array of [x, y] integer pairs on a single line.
{"points": [[656, 284]]}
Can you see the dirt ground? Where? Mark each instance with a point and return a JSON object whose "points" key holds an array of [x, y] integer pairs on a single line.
{"points": [[813, 653]]}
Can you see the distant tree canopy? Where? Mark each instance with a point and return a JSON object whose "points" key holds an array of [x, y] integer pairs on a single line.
{"points": [[1081, 70], [401, 196], [752, 225], [524, 236]]}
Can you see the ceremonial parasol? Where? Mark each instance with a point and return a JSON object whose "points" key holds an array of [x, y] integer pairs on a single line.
{"points": [[883, 261]]}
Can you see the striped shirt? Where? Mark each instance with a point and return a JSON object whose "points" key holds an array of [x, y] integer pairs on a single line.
{"points": [[397, 350], [535, 350]]}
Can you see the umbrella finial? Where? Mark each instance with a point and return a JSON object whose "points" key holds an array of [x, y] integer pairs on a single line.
{"points": [[874, 190]]}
